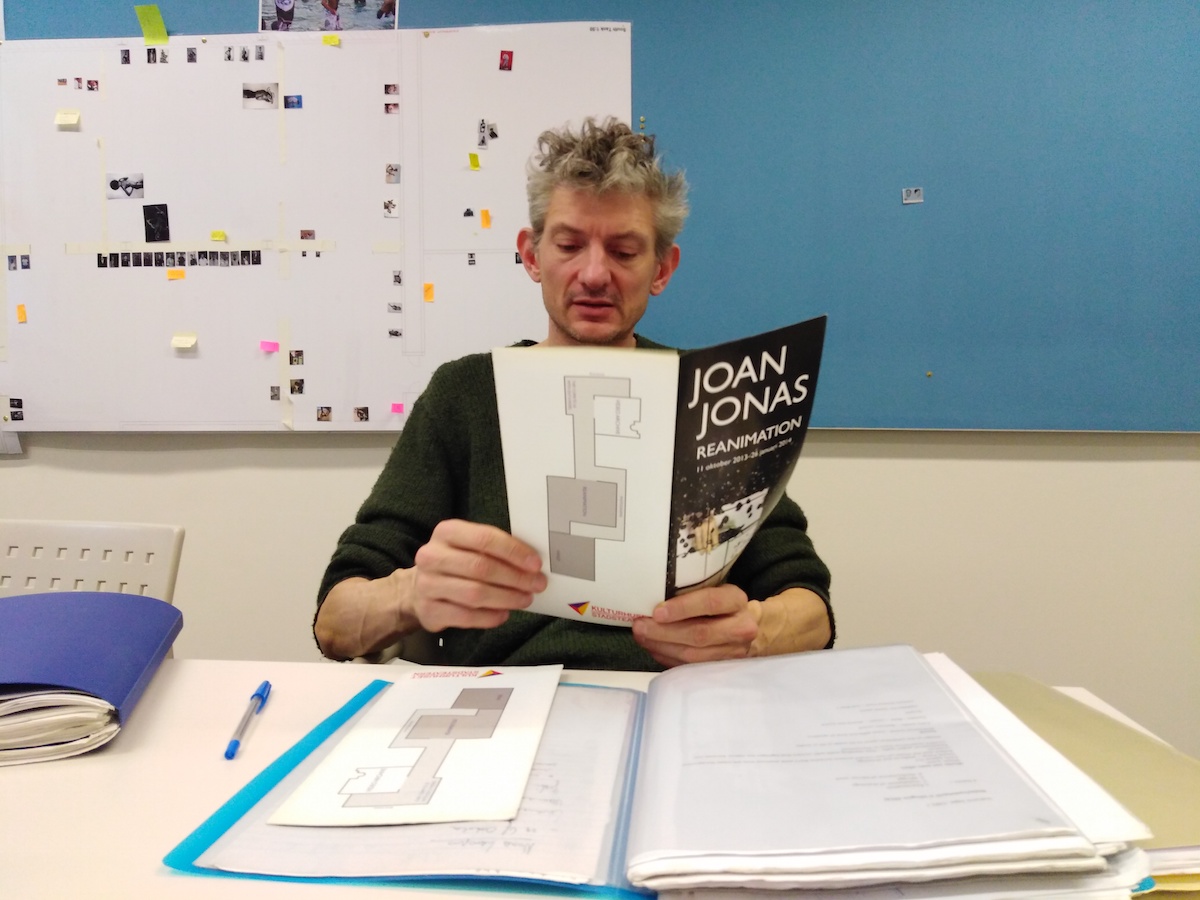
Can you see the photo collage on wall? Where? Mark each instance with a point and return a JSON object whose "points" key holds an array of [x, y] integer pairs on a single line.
{"points": [[327, 15]]}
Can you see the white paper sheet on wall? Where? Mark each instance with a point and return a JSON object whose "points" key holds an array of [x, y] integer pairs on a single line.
{"points": [[301, 209]]}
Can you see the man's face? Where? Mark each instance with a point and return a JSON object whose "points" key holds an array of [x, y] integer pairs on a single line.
{"points": [[596, 265]]}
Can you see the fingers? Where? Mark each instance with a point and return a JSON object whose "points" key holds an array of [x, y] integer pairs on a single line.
{"points": [[471, 576], [715, 601], [708, 624]]}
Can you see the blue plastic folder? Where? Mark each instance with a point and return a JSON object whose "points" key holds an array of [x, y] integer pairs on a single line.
{"points": [[105, 644], [187, 855]]}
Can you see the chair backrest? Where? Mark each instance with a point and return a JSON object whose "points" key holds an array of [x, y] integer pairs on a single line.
{"points": [[38, 556]]}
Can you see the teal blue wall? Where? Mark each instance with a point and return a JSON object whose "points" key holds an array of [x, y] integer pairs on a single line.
{"points": [[1051, 279]]}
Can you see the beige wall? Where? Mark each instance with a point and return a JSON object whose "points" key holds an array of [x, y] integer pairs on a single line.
{"points": [[1074, 558]]}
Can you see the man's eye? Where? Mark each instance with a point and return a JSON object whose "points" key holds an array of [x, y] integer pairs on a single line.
{"points": [[568, 248]]}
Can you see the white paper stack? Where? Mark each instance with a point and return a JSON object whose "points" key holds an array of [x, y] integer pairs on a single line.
{"points": [[851, 768]]}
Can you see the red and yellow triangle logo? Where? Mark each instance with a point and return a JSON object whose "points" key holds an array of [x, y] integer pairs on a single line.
{"points": [[489, 672], [580, 608]]}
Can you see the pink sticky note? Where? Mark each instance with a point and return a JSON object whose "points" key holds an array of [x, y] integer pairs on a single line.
{"points": [[269, 346], [397, 407]]}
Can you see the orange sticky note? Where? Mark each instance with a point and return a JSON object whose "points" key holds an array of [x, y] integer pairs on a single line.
{"points": [[428, 292], [21, 313], [176, 274], [397, 407], [485, 218], [474, 158], [269, 346]]}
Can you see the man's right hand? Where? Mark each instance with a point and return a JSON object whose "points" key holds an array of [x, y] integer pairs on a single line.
{"points": [[468, 576], [472, 576]]}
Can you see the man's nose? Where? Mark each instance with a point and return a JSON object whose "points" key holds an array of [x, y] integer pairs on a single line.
{"points": [[595, 272]]}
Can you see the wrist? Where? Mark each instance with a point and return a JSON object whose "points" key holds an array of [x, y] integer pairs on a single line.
{"points": [[794, 620]]}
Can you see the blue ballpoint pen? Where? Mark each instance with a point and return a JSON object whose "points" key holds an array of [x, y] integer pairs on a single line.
{"points": [[257, 701]]}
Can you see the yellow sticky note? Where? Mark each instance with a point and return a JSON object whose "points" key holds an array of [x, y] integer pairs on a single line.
{"points": [[183, 341], [485, 218], [474, 158], [66, 117], [21, 313], [154, 29], [428, 293], [218, 235], [176, 274], [331, 40]]}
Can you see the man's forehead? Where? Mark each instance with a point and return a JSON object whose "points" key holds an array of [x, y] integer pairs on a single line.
{"points": [[579, 209]]}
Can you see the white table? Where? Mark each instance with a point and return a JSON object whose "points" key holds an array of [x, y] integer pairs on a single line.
{"points": [[98, 825]]}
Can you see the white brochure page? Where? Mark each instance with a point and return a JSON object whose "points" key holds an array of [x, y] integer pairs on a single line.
{"points": [[439, 745]]}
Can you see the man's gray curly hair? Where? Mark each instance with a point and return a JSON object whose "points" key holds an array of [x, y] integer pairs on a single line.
{"points": [[606, 157]]}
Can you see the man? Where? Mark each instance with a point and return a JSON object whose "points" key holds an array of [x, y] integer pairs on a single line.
{"points": [[430, 552]]}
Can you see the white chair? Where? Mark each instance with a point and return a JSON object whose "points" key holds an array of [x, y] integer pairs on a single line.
{"points": [[38, 556]]}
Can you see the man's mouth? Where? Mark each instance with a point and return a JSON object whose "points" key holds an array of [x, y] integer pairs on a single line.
{"points": [[593, 302]]}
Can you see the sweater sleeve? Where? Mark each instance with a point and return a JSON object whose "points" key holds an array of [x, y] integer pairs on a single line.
{"points": [[781, 556], [413, 492]]}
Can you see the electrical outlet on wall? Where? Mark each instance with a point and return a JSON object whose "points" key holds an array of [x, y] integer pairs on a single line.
{"points": [[912, 195]]}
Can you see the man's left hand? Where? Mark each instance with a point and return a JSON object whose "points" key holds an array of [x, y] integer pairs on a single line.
{"points": [[705, 624]]}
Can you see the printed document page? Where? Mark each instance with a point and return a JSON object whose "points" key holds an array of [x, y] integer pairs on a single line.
{"points": [[844, 759], [1103, 821], [439, 745]]}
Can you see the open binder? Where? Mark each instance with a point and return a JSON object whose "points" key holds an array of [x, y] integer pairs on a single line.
{"points": [[724, 774]]}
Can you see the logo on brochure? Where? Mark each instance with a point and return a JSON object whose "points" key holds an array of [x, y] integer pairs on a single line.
{"points": [[489, 672], [580, 608]]}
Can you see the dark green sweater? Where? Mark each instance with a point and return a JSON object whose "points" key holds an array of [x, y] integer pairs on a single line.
{"points": [[447, 464]]}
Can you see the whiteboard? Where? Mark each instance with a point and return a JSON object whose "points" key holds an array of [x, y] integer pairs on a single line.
{"points": [[342, 266]]}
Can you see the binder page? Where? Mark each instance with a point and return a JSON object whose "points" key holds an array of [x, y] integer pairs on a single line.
{"points": [[563, 831], [789, 762]]}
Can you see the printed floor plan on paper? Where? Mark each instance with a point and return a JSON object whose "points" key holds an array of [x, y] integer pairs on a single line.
{"points": [[429, 735], [591, 505], [437, 744]]}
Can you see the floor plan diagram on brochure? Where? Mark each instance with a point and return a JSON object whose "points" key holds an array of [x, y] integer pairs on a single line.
{"points": [[591, 505], [427, 739]]}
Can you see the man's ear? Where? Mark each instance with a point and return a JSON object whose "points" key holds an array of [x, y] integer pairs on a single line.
{"points": [[528, 252], [666, 268]]}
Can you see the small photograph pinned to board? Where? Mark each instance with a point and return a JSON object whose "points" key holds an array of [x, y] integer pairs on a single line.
{"points": [[260, 96], [125, 186], [158, 227], [327, 15]]}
